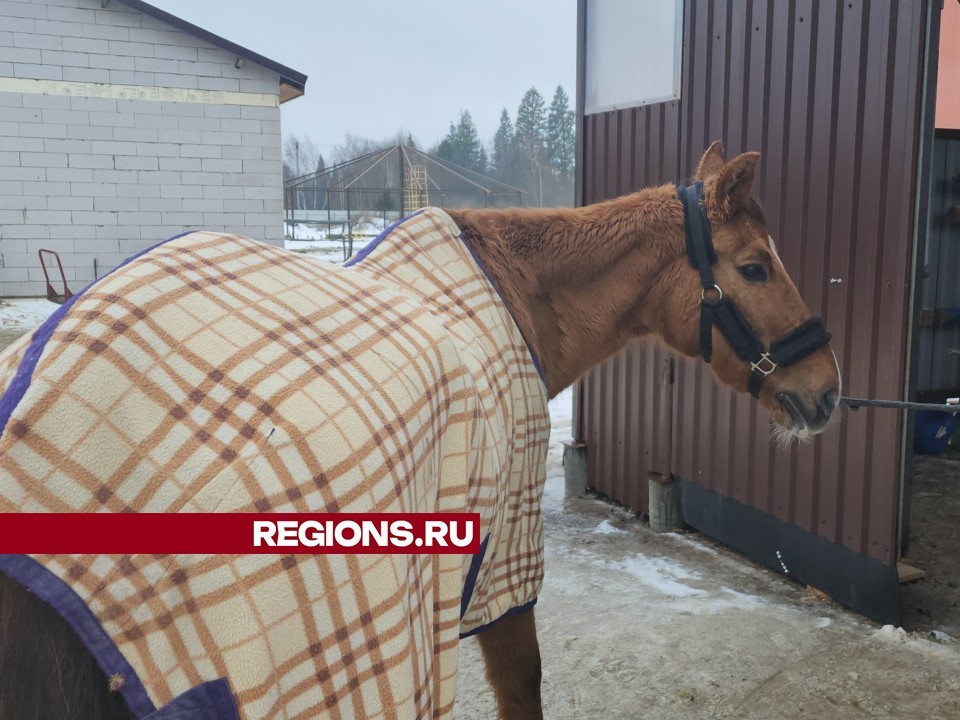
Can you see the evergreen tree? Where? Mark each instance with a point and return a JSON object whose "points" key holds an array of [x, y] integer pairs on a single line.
{"points": [[560, 133], [531, 124], [532, 172], [502, 158], [462, 145], [475, 157], [448, 148]]}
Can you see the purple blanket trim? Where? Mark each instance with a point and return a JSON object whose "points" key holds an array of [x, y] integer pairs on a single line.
{"points": [[209, 701], [508, 613], [56, 593], [21, 380], [471, 580]]}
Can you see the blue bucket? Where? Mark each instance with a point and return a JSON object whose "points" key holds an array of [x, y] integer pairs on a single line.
{"points": [[932, 431]]}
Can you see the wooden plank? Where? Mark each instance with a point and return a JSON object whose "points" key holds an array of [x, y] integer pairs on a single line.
{"points": [[908, 573]]}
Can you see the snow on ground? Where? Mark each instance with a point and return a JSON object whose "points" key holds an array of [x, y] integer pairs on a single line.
{"points": [[328, 241], [605, 528], [561, 428], [659, 574], [24, 313]]}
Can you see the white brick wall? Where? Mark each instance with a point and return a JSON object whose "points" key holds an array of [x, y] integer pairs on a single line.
{"points": [[103, 178]]}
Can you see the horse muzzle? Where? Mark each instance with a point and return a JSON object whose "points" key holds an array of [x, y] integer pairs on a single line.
{"points": [[810, 417]]}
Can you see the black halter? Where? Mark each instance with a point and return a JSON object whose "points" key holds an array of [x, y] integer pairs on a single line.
{"points": [[716, 310]]}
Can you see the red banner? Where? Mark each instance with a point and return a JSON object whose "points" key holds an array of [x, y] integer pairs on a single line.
{"points": [[240, 533]]}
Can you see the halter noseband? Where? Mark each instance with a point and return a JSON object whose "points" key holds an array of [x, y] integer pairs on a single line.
{"points": [[717, 310]]}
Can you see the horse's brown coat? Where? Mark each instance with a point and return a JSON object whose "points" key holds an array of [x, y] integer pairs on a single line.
{"points": [[583, 282]]}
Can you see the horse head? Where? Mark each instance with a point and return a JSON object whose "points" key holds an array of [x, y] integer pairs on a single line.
{"points": [[742, 311]]}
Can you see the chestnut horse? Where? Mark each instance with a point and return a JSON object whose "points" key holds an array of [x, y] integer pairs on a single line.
{"points": [[698, 270]]}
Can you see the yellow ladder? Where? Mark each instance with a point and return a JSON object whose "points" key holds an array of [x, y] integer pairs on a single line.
{"points": [[415, 189]]}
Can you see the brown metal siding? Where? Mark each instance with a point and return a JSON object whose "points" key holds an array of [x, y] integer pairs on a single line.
{"points": [[829, 93], [626, 416]]}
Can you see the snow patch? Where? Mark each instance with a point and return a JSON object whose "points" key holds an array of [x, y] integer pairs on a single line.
{"points": [[657, 574], [561, 421], [692, 541], [743, 600], [824, 622], [941, 636], [24, 313], [891, 634], [327, 241], [305, 232], [561, 415], [605, 528], [331, 250], [929, 645]]}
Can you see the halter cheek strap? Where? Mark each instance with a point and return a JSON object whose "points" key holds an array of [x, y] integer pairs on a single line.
{"points": [[716, 310]]}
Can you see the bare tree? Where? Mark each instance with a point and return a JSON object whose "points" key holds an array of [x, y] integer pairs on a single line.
{"points": [[301, 155], [353, 146]]}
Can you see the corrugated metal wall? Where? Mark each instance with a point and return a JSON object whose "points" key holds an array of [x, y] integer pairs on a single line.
{"points": [[629, 396], [939, 371], [829, 93]]}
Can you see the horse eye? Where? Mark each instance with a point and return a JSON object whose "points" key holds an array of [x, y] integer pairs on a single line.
{"points": [[753, 273]]}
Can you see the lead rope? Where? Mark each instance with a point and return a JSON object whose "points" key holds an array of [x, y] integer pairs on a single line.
{"points": [[857, 403]]}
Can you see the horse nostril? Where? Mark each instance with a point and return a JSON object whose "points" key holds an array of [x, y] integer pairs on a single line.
{"points": [[827, 402]]}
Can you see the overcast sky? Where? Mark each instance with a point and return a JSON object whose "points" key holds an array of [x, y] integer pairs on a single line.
{"points": [[378, 66]]}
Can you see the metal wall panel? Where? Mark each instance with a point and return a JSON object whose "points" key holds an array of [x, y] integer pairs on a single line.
{"points": [[626, 414], [938, 370], [829, 93]]}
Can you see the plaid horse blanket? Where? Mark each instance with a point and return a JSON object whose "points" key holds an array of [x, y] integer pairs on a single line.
{"points": [[214, 373]]}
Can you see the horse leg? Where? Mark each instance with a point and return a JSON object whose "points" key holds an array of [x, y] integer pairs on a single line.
{"points": [[512, 656]]}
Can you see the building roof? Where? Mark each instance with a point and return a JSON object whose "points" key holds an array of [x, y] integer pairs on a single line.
{"points": [[292, 83]]}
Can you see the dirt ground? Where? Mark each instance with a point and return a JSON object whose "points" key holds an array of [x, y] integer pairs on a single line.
{"points": [[934, 602], [675, 627]]}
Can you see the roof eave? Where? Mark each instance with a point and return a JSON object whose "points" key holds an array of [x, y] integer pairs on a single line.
{"points": [[292, 83], [290, 92]]}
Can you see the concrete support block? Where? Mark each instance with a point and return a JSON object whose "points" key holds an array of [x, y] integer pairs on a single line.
{"points": [[664, 507], [574, 468]]}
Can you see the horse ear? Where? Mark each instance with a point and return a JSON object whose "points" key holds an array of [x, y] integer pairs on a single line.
{"points": [[736, 181], [711, 162]]}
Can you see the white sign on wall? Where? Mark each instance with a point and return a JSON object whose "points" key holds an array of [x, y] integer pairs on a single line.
{"points": [[633, 53]]}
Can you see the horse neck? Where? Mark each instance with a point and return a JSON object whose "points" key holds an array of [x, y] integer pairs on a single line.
{"points": [[579, 281]]}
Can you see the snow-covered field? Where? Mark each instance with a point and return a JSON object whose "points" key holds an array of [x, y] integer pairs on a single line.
{"points": [[24, 313], [329, 242]]}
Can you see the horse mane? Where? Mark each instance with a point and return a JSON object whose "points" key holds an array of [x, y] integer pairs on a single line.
{"points": [[536, 258]]}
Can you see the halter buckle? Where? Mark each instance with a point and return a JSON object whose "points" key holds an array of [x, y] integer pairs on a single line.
{"points": [[761, 369], [713, 289]]}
